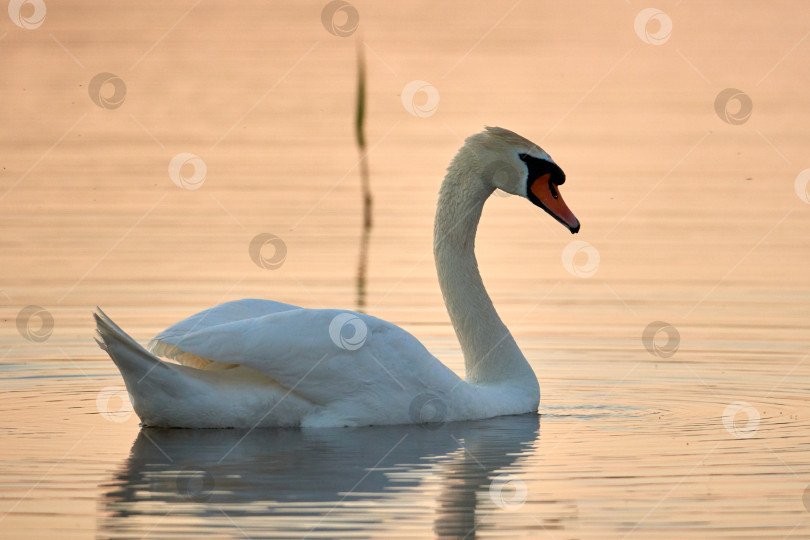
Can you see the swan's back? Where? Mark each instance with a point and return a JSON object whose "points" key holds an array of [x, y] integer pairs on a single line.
{"points": [[253, 362]]}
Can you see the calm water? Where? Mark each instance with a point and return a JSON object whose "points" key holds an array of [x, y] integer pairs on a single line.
{"points": [[673, 349]]}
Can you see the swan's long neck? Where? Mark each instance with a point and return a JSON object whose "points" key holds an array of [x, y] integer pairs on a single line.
{"points": [[490, 352]]}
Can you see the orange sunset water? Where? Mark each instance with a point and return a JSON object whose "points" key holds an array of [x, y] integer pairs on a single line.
{"points": [[146, 146]]}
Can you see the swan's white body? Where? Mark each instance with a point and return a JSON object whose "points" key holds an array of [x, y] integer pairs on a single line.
{"points": [[258, 363]]}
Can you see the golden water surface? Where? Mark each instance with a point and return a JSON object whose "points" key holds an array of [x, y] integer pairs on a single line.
{"points": [[671, 343]]}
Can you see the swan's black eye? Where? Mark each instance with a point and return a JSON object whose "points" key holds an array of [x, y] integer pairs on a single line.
{"points": [[538, 167]]}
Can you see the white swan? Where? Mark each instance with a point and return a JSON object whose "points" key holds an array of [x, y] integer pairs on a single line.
{"points": [[258, 363]]}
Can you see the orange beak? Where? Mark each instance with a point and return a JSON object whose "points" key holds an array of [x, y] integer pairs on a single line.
{"points": [[546, 195]]}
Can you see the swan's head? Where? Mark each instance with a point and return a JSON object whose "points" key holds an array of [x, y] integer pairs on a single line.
{"points": [[518, 166]]}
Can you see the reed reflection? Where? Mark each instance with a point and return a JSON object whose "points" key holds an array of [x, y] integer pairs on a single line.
{"points": [[365, 180]]}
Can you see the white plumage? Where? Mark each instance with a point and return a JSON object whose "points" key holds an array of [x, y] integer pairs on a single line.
{"points": [[258, 363]]}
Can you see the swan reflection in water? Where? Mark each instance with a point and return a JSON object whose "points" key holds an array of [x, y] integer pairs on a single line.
{"points": [[184, 483]]}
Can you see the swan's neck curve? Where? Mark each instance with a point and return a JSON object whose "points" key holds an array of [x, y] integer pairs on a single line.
{"points": [[491, 354]]}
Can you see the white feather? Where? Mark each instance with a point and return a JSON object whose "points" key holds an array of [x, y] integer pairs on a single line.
{"points": [[254, 363]]}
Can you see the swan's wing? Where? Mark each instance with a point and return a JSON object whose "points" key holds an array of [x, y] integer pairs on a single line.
{"points": [[237, 310], [326, 356], [168, 343]]}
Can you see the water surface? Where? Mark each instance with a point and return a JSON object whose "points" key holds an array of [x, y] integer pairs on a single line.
{"points": [[698, 223]]}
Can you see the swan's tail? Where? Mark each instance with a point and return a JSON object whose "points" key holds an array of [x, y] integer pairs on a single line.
{"points": [[145, 375], [172, 395], [132, 359]]}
